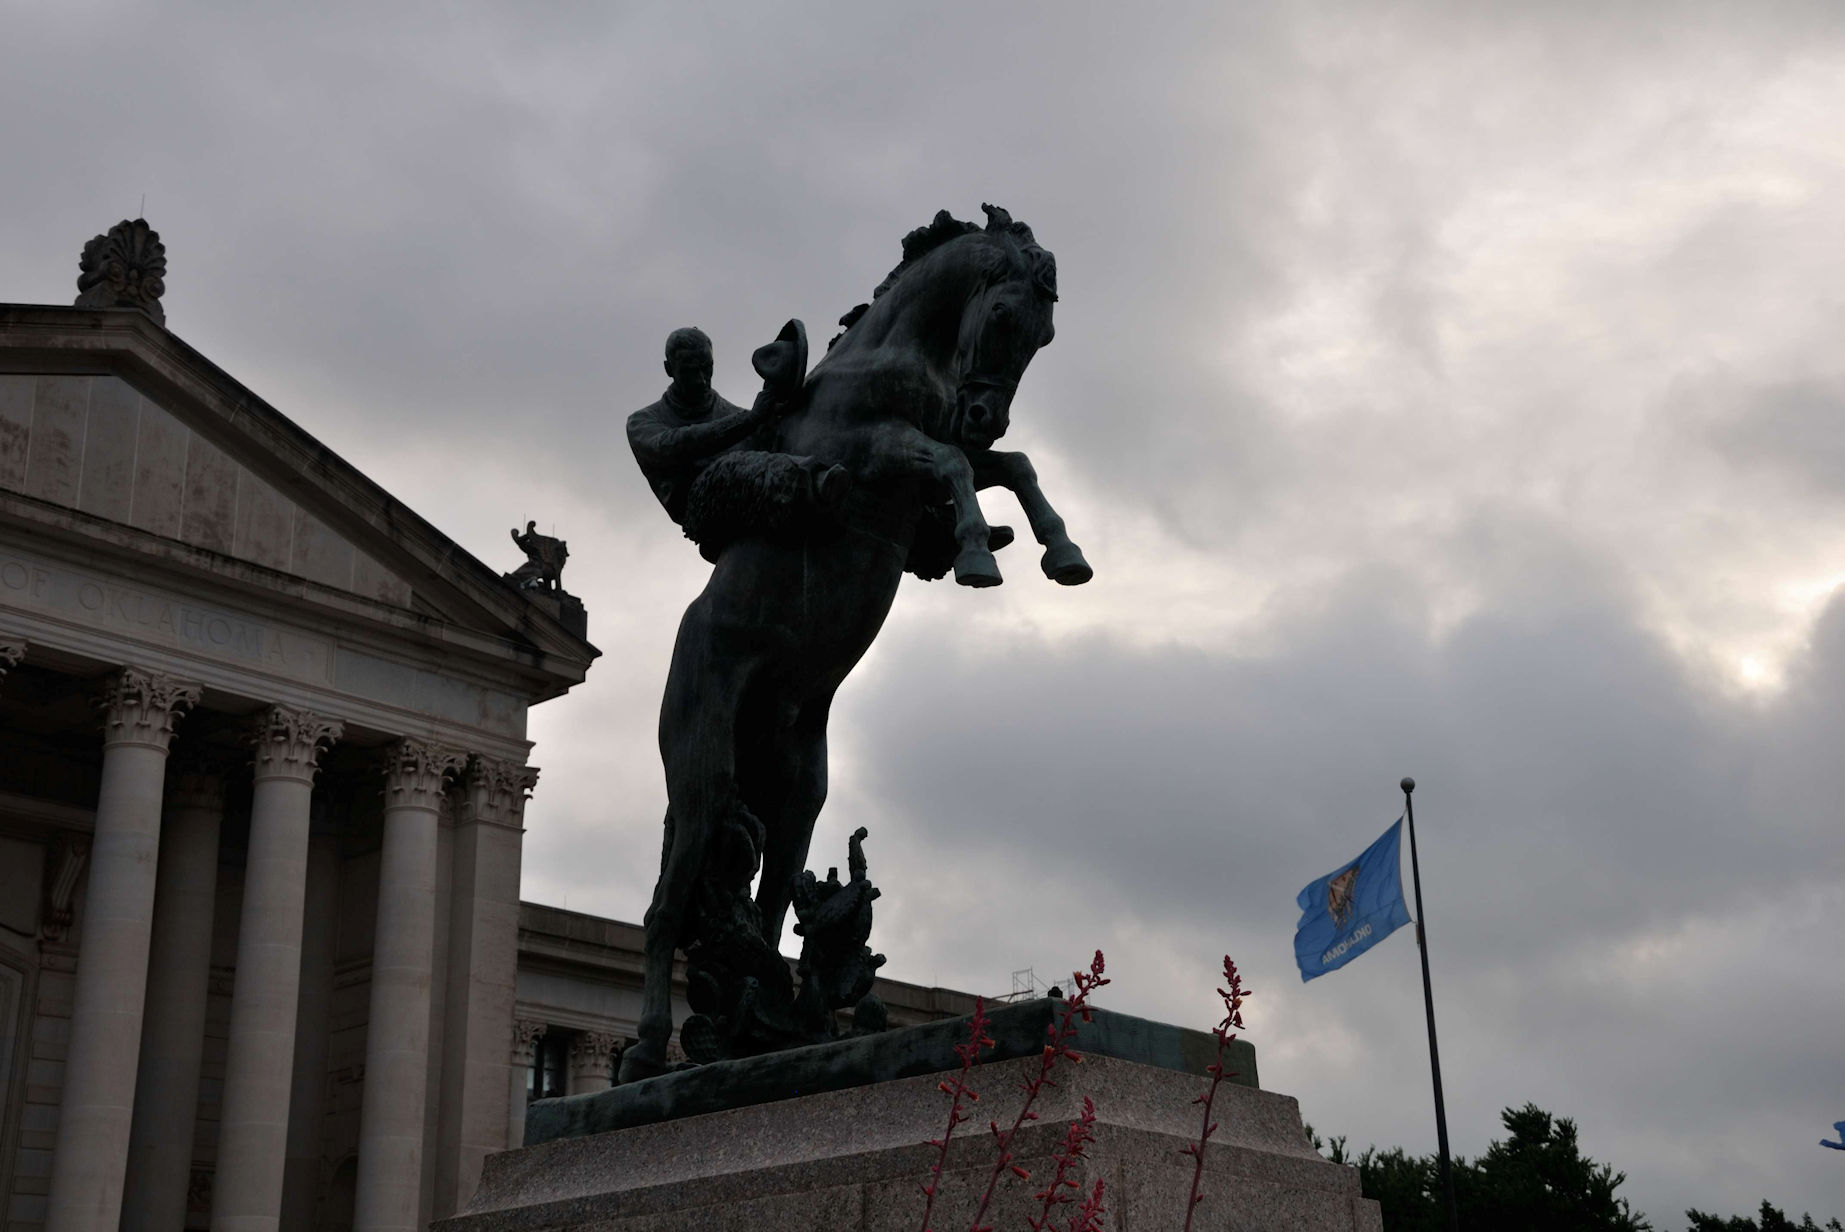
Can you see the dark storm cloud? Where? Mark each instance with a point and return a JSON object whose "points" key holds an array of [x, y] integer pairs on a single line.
{"points": [[1439, 388]]}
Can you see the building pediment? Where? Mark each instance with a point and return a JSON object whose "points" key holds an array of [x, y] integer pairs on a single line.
{"points": [[115, 432]]}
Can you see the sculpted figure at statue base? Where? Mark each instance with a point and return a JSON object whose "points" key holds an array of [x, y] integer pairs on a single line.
{"points": [[811, 505]]}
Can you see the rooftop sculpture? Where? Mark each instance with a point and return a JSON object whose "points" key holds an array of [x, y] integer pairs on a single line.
{"points": [[545, 556], [125, 267], [811, 505]]}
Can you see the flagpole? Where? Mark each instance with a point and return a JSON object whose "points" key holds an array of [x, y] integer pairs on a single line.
{"points": [[1428, 1004]]}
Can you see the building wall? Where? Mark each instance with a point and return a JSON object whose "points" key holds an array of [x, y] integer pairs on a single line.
{"points": [[580, 984]]}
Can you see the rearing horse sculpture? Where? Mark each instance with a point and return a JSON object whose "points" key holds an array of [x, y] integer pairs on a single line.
{"points": [[909, 401]]}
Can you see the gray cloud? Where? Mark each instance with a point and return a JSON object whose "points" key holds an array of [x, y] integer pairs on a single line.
{"points": [[1618, 867], [1439, 388]]}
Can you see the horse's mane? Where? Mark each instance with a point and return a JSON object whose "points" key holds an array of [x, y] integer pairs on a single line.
{"points": [[945, 227]]}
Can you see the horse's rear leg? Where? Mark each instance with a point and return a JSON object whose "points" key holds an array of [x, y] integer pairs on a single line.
{"points": [[680, 862], [800, 793], [698, 731]]}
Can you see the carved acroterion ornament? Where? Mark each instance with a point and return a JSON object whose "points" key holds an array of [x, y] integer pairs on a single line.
{"points": [[125, 267]]}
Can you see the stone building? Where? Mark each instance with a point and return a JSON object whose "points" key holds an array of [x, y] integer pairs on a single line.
{"points": [[578, 1002], [263, 770], [263, 764]]}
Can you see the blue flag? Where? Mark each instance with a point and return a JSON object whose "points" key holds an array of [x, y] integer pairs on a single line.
{"points": [[1345, 913]]}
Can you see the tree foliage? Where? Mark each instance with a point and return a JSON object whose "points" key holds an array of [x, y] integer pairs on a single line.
{"points": [[1769, 1220], [1536, 1180]]}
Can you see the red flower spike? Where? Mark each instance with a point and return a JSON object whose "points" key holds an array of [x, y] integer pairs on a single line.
{"points": [[958, 1090], [1075, 1007], [1088, 1217], [1232, 996], [1080, 1133]]}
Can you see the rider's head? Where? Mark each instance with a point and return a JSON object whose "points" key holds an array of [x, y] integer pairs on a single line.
{"points": [[688, 362]]}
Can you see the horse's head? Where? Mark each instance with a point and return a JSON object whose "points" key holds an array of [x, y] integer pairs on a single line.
{"points": [[976, 303], [1006, 320]]}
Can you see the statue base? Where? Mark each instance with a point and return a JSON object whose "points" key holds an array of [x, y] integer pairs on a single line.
{"points": [[856, 1157], [1017, 1030]]}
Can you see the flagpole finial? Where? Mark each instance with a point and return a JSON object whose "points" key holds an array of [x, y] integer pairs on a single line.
{"points": [[1408, 785]]}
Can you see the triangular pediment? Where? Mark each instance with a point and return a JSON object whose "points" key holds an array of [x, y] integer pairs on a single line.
{"points": [[96, 444], [107, 414]]}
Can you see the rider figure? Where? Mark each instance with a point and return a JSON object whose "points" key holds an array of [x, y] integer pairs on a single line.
{"points": [[677, 440]]}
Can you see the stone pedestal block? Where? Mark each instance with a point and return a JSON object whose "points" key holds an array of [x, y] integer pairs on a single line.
{"points": [[855, 1159]]}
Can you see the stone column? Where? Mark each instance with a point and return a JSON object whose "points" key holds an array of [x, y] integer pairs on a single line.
{"points": [[91, 1156], [178, 970], [12, 650], [259, 1060], [591, 1057], [525, 1045], [393, 1103], [307, 1104], [483, 958]]}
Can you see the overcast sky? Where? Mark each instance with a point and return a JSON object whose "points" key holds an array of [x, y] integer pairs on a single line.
{"points": [[1454, 390]]}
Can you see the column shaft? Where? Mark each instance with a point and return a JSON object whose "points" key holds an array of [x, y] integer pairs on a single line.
{"points": [[94, 1117], [393, 1104], [259, 1061], [173, 1035], [525, 1047], [307, 1104], [483, 1078]]}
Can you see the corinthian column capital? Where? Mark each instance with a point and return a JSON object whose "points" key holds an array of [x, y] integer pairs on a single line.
{"points": [[415, 771], [525, 1036], [592, 1047], [140, 707], [498, 789], [288, 742], [12, 650]]}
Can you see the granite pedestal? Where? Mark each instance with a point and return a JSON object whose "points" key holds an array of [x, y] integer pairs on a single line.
{"points": [[854, 1157]]}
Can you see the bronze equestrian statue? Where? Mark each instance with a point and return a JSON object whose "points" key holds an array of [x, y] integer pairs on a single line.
{"points": [[812, 505]]}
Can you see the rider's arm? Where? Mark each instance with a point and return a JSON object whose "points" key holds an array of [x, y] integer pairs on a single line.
{"points": [[674, 445]]}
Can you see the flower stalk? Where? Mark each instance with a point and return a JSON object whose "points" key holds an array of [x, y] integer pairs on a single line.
{"points": [[1088, 1217], [1080, 1134], [1232, 994], [1056, 1048], [962, 1095]]}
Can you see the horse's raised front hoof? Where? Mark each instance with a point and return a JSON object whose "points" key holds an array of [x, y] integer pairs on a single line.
{"points": [[974, 567], [999, 537], [643, 1060], [1064, 564]]}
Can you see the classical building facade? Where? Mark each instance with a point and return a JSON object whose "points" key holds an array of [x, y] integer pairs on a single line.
{"points": [[263, 766]]}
